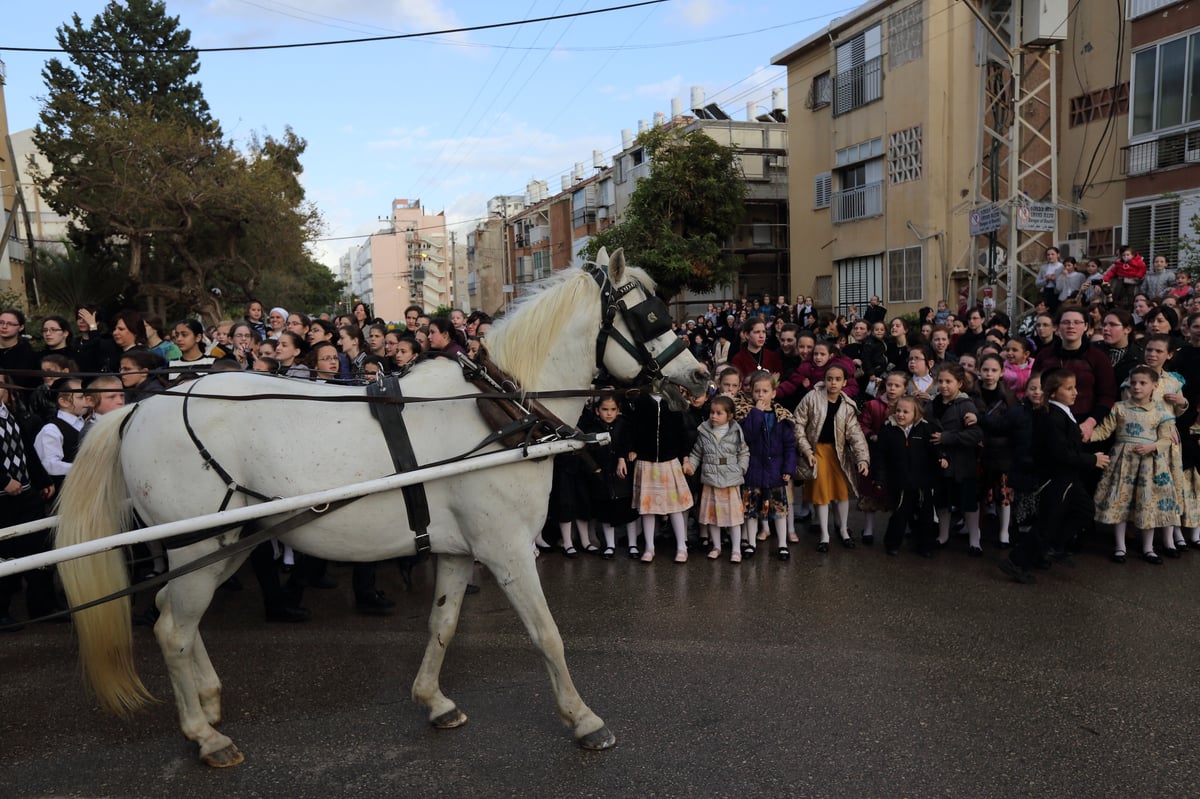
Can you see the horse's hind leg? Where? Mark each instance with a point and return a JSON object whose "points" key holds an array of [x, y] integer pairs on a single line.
{"points": [[518, 577], [453, 574], [181, 605]]}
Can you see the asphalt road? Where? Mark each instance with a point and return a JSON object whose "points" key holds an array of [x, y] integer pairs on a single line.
{"points": [[850, 674]]}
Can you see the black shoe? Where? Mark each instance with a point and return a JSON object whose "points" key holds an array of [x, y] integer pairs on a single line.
{"points": [[1152, 557], [747, 551], [1006, 545], [975, 552], [608, 553], [1118, 556], [868, 539], [374, 604], [823, 546], [1171, 552], [470, 589], [848, 542], [10, 625], [783, 554], [1018, 574], [288, 613]]}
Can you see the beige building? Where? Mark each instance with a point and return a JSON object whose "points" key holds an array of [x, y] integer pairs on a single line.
{"points": [[881, 118], [896, 118], [14, 244]]}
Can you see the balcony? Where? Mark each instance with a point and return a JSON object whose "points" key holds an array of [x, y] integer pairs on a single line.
{"points": [[1175, 149], [1140, 8], [858, 86], [857, 203]]}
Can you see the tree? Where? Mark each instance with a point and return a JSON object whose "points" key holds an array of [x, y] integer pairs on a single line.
{"points": [[140, 167], [680, 216]]}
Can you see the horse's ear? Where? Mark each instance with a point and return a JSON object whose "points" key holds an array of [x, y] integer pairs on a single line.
{"points": [[616, 267], [602, 257]]}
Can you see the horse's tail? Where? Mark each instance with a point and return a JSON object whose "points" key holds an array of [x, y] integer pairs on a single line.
{"points": [[93, 505]]}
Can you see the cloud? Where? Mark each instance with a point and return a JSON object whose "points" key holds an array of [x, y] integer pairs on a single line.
{"points": [[699, 13]]}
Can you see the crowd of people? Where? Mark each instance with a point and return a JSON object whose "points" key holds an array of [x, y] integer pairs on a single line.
{"points": [[1075, 423], [1078, 417], [51, 394]]}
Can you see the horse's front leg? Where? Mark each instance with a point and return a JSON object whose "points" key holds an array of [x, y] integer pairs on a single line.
{"points": [[208, 684], [518, 577], [181, 605], [453, 574]]}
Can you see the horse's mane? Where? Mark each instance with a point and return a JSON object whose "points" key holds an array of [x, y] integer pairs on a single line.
{"points": [[521, 342]]}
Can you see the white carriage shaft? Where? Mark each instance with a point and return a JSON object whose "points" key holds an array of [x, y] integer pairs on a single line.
{"points": [[237, 516]]}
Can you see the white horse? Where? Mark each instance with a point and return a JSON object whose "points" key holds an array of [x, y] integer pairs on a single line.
{"points": [[291, 447]]}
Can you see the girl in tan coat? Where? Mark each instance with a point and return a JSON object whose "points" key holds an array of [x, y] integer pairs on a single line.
{"points": [[829, 437]]}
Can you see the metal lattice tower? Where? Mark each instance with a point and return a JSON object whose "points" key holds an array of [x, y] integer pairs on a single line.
{"points": [[1018, 114]]}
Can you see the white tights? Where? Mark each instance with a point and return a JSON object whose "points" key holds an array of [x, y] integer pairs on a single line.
{"points": [[678, 526], [781, 531], [843, 512]]}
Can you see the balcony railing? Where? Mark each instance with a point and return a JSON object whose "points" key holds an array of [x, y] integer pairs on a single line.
{"points": [[858, 86], [858, 203], [1174, 149]]}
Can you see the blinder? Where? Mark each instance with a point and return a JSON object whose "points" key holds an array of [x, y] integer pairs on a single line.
{"points": [[647, 320]]}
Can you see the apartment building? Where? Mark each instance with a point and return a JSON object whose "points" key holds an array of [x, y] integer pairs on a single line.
{"points": [[1159, 98], [13, 244], [762, 239], [882, 108], [408, 263], [889, 103], [488, 285]]}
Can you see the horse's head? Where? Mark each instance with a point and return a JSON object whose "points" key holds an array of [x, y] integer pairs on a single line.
{"points": [[636, 342]]}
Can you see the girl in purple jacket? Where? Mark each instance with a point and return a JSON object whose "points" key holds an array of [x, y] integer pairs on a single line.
{"points": [[771, 437]]}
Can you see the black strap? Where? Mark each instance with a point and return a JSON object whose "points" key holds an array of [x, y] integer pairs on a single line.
{"points": [[395, 432], [231, 485]]}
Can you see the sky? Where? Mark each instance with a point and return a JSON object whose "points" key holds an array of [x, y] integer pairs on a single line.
{"points": [[453, 119]]}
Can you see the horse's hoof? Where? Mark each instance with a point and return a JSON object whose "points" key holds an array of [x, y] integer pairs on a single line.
{"points": [[450, 719], [599, 740], [224, 758]]}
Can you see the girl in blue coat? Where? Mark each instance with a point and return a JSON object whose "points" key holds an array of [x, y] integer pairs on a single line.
{"points": [[771, 436]]}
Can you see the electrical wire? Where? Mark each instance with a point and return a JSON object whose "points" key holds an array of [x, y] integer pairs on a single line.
{"points": [[336, 42]]}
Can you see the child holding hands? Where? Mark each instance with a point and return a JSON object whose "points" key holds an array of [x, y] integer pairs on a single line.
{"points": [[771, 438], [723, 456]]}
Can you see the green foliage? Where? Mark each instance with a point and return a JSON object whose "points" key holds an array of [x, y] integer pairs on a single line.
{"points": [[308, 287], [682, 214], [441, 310], [140, 168], [70, 279], [11, 299]]}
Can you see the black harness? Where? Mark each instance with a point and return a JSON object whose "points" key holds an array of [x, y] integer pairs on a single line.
{"points": [[646, 320]]}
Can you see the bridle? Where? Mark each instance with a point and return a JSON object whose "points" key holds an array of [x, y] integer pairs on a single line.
{"points": [[646, 321]]}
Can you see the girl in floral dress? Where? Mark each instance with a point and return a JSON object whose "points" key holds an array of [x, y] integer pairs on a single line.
{"points": [[1136, 486]]}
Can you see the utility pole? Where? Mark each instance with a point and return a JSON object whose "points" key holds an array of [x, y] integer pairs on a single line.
{"points": [[1018, 144]]}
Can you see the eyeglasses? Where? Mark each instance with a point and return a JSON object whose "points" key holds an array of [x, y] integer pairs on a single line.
{"points": [[5, 323], [52, 330]]}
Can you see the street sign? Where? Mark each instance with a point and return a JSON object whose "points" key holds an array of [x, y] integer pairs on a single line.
{"points": [[986, 219], [1037, 217]]}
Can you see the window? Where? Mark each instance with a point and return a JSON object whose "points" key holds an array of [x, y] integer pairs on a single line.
{"points": [[760, 235], [905, 275], [904, 35], [1153, 229], [638, 156], [1166, 85], [858, 279], [541, 264], [821, 93], [822, 188], [1100, 104], [583, 206], [859, 77], [824, 291], [859, 193], [904, 156]]}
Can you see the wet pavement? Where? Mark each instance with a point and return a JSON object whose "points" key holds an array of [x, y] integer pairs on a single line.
{"points": [[843, 675]]}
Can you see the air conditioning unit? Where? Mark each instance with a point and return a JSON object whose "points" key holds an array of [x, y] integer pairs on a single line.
{"points": [[999, 261], [1076, 248]]}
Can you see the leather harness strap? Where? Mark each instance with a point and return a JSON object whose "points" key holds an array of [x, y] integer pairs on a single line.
{"points": [[395, 433]]}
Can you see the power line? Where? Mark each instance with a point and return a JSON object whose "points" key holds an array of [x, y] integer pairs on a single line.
{"points": [[364, 40]]}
